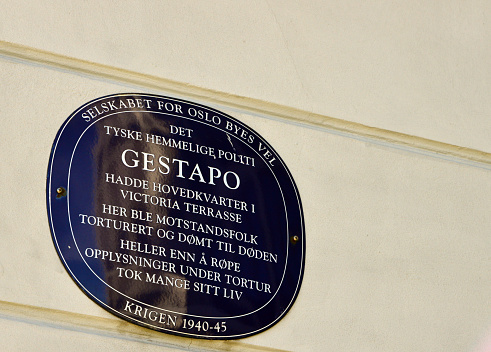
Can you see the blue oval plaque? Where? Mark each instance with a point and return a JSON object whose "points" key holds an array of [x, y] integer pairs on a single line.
{"points": [[175, 216]]}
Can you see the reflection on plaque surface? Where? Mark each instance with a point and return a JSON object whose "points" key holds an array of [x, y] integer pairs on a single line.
{"points": [[175, 216]]}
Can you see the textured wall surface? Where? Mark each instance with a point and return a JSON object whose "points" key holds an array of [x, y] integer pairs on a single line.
{"points": [[415, 67], [398, 238]]}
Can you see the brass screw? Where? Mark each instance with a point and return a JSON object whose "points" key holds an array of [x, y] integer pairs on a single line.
{"points": [[60, 192], [294, 239]]}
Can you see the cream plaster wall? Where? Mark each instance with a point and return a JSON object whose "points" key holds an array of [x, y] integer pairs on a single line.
{"points": [[397, 238], [417, 67]]}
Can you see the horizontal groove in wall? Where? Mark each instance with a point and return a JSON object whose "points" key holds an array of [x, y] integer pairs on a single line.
{"points": [[386, 137], [116, 328]]}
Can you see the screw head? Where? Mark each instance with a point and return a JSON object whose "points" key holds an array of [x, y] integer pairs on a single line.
{"points": [[294, 239]]}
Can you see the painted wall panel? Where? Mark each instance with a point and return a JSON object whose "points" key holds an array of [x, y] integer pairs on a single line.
{"points": [[414, 67], [397, 241]]}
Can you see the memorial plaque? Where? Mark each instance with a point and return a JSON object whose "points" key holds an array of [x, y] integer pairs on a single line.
{"points": [[175, 216]]}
